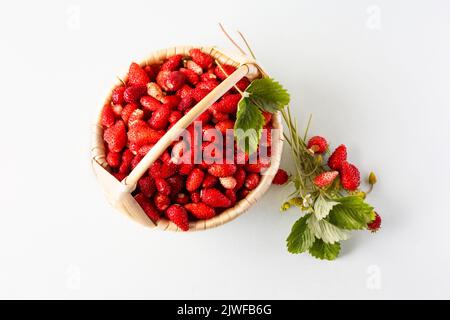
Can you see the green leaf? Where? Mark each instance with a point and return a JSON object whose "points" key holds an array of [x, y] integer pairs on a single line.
{"points": [[323, 206], [352, 213], [329, 233], [301, 238], [327, 251], [248, 126], [268, 94]]}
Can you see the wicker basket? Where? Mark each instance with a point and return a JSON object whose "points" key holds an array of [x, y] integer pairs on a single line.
{"points": [[119, 193]]}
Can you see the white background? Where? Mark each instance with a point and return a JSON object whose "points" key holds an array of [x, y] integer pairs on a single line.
{"points": [[375, 75]]}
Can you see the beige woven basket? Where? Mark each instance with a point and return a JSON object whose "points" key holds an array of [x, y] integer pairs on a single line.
{"points": [[119, 193]]}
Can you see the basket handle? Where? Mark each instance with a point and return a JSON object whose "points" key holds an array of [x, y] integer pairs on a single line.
{"points": [[131, 180]]}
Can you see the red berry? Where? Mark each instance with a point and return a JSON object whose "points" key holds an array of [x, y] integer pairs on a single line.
{"points": [[127, 159], [160, 118], [176, 183], [134, 93], [256, 167], [207, 85], [162, 202], [116, 136], [252, 181], [147, 206], [181, 198], [240, 178], [209, 181], [204, 60], [222, 170], [171, 102], [145, 149], [185, 168], [194, 179], [117, 109], [175, 116], [231, 194], [170, 80], [229, 69], [318, 144], [338, 157], [137, 158], [137, 75], [136, 115], [151, 71], [229, 103], [108, 117], [267, 117], [149, 103], [195, 197], [168, 169], [228, 182], [350, 176], [119, 176], [375, 224], [191, 76], [243, 84], [178, 215], [146, 186], [214, 198], [117, 95], [155, 169], [225, 125], [172, 63], [325, 179], [281, 177], [142, 134], [200, 210], [162, 186], [113, 159], [127, 111]]}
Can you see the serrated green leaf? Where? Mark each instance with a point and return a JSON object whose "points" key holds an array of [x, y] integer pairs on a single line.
{"points": [[329, 233], [352, 213], [248, 126], [322, 250], [301, 238], [323, 206], [268, 94]]}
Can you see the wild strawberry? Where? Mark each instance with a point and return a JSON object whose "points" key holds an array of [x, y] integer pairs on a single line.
{"points": [[117, 95], [176, 183], [181, 198], [146, 186], [137, 114], [184, 91], [159, 118], [256, 167], [170, 102], [155, 91], [137, 158], [155, 169], [175, 116], [162, 202], [204, 118], [207, 85], [172, 63], [170, 80], [107, 117], [194, 179], [266, 137], [145, 149], [142, 134], [119, 176], [209, 181], [225, 125], [217, 115], [127, 159], [228, 182], [229, 69], [117, 109], [208, 75], [147, 206], [199, 93], [134, 93], [152, 71], [214, 198], [229, 103], [137, 75], [200, 210], [168, 169], [162, 186], [252, 181], [222, 170], [191, 76], [375, 224], [127, 111], [243, 193], [134, 148], [191, 65], [178, 215], [204, 60], [113, 159], [116, 136], [185, 168], [325, 179], [350, 177], [317, 144], [338, 157], [281, 177], [231, 194], [150, 104], [243, 84], [267, 117], [195, 197], [240, 178], [186, 103]]}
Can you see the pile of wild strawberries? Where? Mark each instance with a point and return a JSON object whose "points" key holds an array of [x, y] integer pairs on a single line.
{"points": [[143, 108]]}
